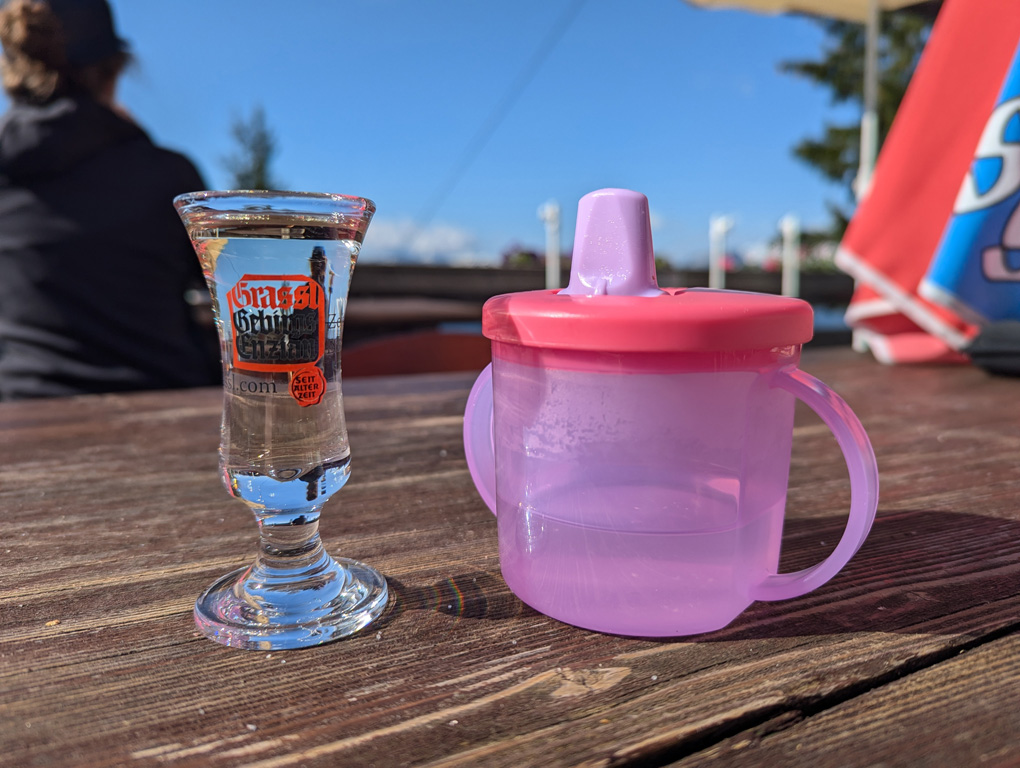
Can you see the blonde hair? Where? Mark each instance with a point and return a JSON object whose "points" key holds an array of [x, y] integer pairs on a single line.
{"points": [[34, 67]]}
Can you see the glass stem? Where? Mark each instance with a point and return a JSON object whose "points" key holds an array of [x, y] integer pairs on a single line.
{"points": [[289, 542]]}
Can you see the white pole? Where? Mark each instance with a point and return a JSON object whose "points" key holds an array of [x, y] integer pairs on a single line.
{"points": [[869, 116], [550, 214], [718, 227], [789, 226]]}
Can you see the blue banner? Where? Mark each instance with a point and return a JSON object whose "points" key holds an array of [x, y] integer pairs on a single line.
{"points": [[976, 269]]}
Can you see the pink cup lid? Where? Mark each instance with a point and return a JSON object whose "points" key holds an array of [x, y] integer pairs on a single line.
{"points": [[613, 302]]}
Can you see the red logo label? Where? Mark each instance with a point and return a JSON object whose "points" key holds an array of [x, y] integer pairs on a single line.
{"points": [[278, 322], [308, 386]]}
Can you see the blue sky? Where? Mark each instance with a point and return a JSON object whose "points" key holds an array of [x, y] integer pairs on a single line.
{"points": [[385, 98]]}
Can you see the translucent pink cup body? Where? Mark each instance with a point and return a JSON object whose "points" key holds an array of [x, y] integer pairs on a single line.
{"points": [[644, 494]]}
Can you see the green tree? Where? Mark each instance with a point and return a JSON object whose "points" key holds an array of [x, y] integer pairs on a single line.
{"points": [[251, 165], [836, 154]]}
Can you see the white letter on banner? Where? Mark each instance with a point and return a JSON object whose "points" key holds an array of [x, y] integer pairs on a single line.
{"points": [[992, 146]]}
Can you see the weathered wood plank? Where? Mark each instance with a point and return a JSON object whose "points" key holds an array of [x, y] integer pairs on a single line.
{"points": [[115, 520], [961, 711]]}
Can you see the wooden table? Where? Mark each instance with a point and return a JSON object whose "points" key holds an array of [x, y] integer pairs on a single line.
{"points": [[114, 520]]}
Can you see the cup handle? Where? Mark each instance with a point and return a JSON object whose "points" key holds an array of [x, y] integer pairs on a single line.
{"points": [[478, 440], [860, 460]]}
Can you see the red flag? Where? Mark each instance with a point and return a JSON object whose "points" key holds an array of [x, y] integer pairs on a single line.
{"points": [[897, 228]]}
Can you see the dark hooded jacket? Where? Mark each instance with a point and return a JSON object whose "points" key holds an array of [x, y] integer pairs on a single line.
{"points": [[94, 262]]}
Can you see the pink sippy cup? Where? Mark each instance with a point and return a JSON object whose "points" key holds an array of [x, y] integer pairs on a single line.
{"points": [[634, 443]]}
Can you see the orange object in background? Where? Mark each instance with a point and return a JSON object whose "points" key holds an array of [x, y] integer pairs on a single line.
{"points": [[419, 352], [897, 228]]}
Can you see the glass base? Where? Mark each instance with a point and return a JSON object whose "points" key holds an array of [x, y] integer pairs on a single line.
{"points": [[243, 610]]}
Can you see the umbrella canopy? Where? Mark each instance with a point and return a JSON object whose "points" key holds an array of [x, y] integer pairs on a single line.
{"points": [[863, 11], [848, 10]]}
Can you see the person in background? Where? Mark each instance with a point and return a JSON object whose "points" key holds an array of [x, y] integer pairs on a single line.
{"points": [[94, 262]]}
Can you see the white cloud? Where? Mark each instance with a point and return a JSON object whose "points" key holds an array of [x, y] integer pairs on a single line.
{"points": [[403, 241]]}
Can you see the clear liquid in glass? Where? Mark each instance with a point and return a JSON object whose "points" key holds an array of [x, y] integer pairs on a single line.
{"points": [[278, 268]]}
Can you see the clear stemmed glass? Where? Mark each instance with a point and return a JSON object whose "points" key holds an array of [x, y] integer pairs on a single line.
{"points": [[278, 266]]}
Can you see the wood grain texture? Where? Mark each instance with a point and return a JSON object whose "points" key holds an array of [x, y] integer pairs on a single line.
{"points": [[115, 519]]}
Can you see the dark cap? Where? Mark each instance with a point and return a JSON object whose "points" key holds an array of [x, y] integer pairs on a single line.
{"points": [[88, 29]]}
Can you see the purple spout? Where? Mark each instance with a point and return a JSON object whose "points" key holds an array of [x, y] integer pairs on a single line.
{"points": [[613, 246]]}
